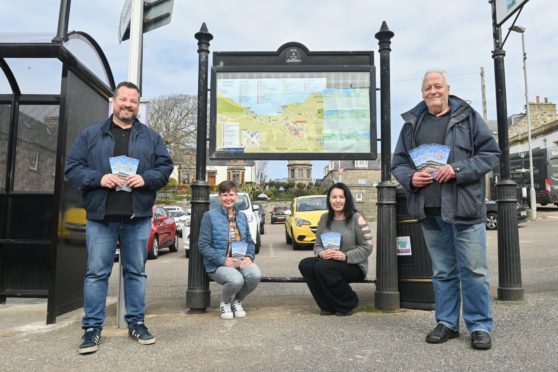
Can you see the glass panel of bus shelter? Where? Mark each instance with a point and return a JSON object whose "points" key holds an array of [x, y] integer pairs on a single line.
{"points": [[37, 135]]}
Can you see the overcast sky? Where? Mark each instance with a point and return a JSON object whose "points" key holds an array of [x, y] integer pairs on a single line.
{"points": [[449, 34]]}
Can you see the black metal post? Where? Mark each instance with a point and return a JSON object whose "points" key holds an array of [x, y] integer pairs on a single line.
{"points": [[387, 290], [198, 294], [509, 262], [63, 20]]}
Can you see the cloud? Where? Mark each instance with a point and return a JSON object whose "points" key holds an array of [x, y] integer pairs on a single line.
{"points": [[453, 35]]}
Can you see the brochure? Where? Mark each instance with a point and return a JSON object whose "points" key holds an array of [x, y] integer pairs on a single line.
{"points": [[123, 166], [430, 157], [238, 249], [331, 240]]}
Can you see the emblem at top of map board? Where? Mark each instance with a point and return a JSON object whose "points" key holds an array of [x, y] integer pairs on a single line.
{"points": [[293, 56]]}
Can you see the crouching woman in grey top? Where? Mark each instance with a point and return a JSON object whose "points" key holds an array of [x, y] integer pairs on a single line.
{"points": [[343, 245]]}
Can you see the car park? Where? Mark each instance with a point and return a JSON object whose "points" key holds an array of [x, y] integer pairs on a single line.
{"points": [[244, 204], [492, 214], [163, 233], [278, 215], [302, 220], [261, 216]]}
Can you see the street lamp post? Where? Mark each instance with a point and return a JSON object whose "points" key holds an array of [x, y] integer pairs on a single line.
{"points": [[532, 195]]}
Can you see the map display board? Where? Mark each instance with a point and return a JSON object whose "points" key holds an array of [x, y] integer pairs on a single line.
{"points": [[269, 115]]}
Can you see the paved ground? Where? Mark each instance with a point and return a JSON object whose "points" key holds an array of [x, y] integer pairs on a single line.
{"points": [[284, 332]]}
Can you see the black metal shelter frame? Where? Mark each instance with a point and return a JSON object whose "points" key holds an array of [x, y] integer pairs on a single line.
{"points": [[42, 223]]}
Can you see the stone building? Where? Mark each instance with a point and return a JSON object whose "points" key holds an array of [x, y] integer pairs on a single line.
{"points": [[544, 127], [238, 170], [299, 171], [35, 158], [361, 176]]}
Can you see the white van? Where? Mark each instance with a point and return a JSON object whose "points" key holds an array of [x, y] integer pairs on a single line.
{"points": [[244, 204]]}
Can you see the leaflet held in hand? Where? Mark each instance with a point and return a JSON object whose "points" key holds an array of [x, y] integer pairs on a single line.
{"points": [[430, 157], [123, 166], [331, 240], [238, 249]]}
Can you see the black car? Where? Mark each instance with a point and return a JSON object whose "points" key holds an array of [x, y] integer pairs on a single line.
{"points": [[261, 214], [492, 214], [278, 214]]}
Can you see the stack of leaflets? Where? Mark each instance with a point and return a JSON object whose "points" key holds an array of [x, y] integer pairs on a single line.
{"points": [[123, 167], [331, 240], [430, 157], [238, 249]]}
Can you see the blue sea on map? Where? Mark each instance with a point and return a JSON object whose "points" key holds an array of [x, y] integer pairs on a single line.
{"points": [[269, 96]]}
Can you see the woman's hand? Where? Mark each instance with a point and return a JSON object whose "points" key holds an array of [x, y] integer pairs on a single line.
{"points": [[333, 254], [245, 262], [231, 262]]}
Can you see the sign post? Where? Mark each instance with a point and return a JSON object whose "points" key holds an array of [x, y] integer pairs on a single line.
{"points": [[137, 17]]}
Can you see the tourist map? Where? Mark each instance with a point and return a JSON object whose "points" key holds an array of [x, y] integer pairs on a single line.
{"points": [[291, 115]]}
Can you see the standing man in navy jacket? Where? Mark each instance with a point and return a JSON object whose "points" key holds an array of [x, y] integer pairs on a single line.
{"points": [[450, 203], [119, 208]]}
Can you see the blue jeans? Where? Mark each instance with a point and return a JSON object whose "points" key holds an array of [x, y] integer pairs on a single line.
{"points": [[460, 270], [101, 238], [237, 283]]}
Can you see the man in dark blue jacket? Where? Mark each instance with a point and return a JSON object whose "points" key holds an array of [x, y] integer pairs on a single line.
{"points": [[118, 208], [450, 203]]}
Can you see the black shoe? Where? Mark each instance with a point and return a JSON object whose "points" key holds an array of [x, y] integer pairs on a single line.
{"points": [[350, 312], [90, 341], [325, 312], [441, 334], [480, 340], [138, 331]]}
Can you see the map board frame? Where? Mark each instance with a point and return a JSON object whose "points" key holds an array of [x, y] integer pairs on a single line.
{"points": [[294, 59]]}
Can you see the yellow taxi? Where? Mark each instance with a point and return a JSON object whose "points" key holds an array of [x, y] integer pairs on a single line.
{"points": [[302, 220]]}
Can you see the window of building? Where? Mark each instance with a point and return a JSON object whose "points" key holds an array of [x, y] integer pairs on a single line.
{"points": [[361, 163], [362, 181], [34, 160]]}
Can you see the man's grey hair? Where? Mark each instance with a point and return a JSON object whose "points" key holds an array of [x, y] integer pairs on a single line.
{"points": [[436, 71]]}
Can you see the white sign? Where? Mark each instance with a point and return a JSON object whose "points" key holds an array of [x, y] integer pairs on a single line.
{"points": [[505, 9], [404, 246], [156, 13], [125, 18]]}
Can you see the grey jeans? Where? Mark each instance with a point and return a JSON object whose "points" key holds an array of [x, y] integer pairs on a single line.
{"points": [[237, 283]]}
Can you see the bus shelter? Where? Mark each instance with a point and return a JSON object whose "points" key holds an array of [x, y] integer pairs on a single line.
{"points": [[50, 89]]}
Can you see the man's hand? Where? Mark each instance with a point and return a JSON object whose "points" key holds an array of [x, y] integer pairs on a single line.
{"points": [[134, 181], [445, 174], [110, 181], [421, 179]]}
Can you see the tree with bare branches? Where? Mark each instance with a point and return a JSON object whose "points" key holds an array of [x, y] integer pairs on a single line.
{"points": [[174, 118]]}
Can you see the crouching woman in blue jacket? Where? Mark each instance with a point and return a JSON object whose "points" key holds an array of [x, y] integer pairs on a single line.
{"points": [[228, 252]]}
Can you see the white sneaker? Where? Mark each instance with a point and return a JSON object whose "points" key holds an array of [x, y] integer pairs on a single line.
{"points": [[238, 310], [226, 312]]}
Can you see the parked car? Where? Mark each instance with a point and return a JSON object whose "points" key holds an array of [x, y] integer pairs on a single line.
{"points": [[302, 220], [180, 218], [244, 204], [278, 214], [261, 216], [163, 233], [492, 214]]}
